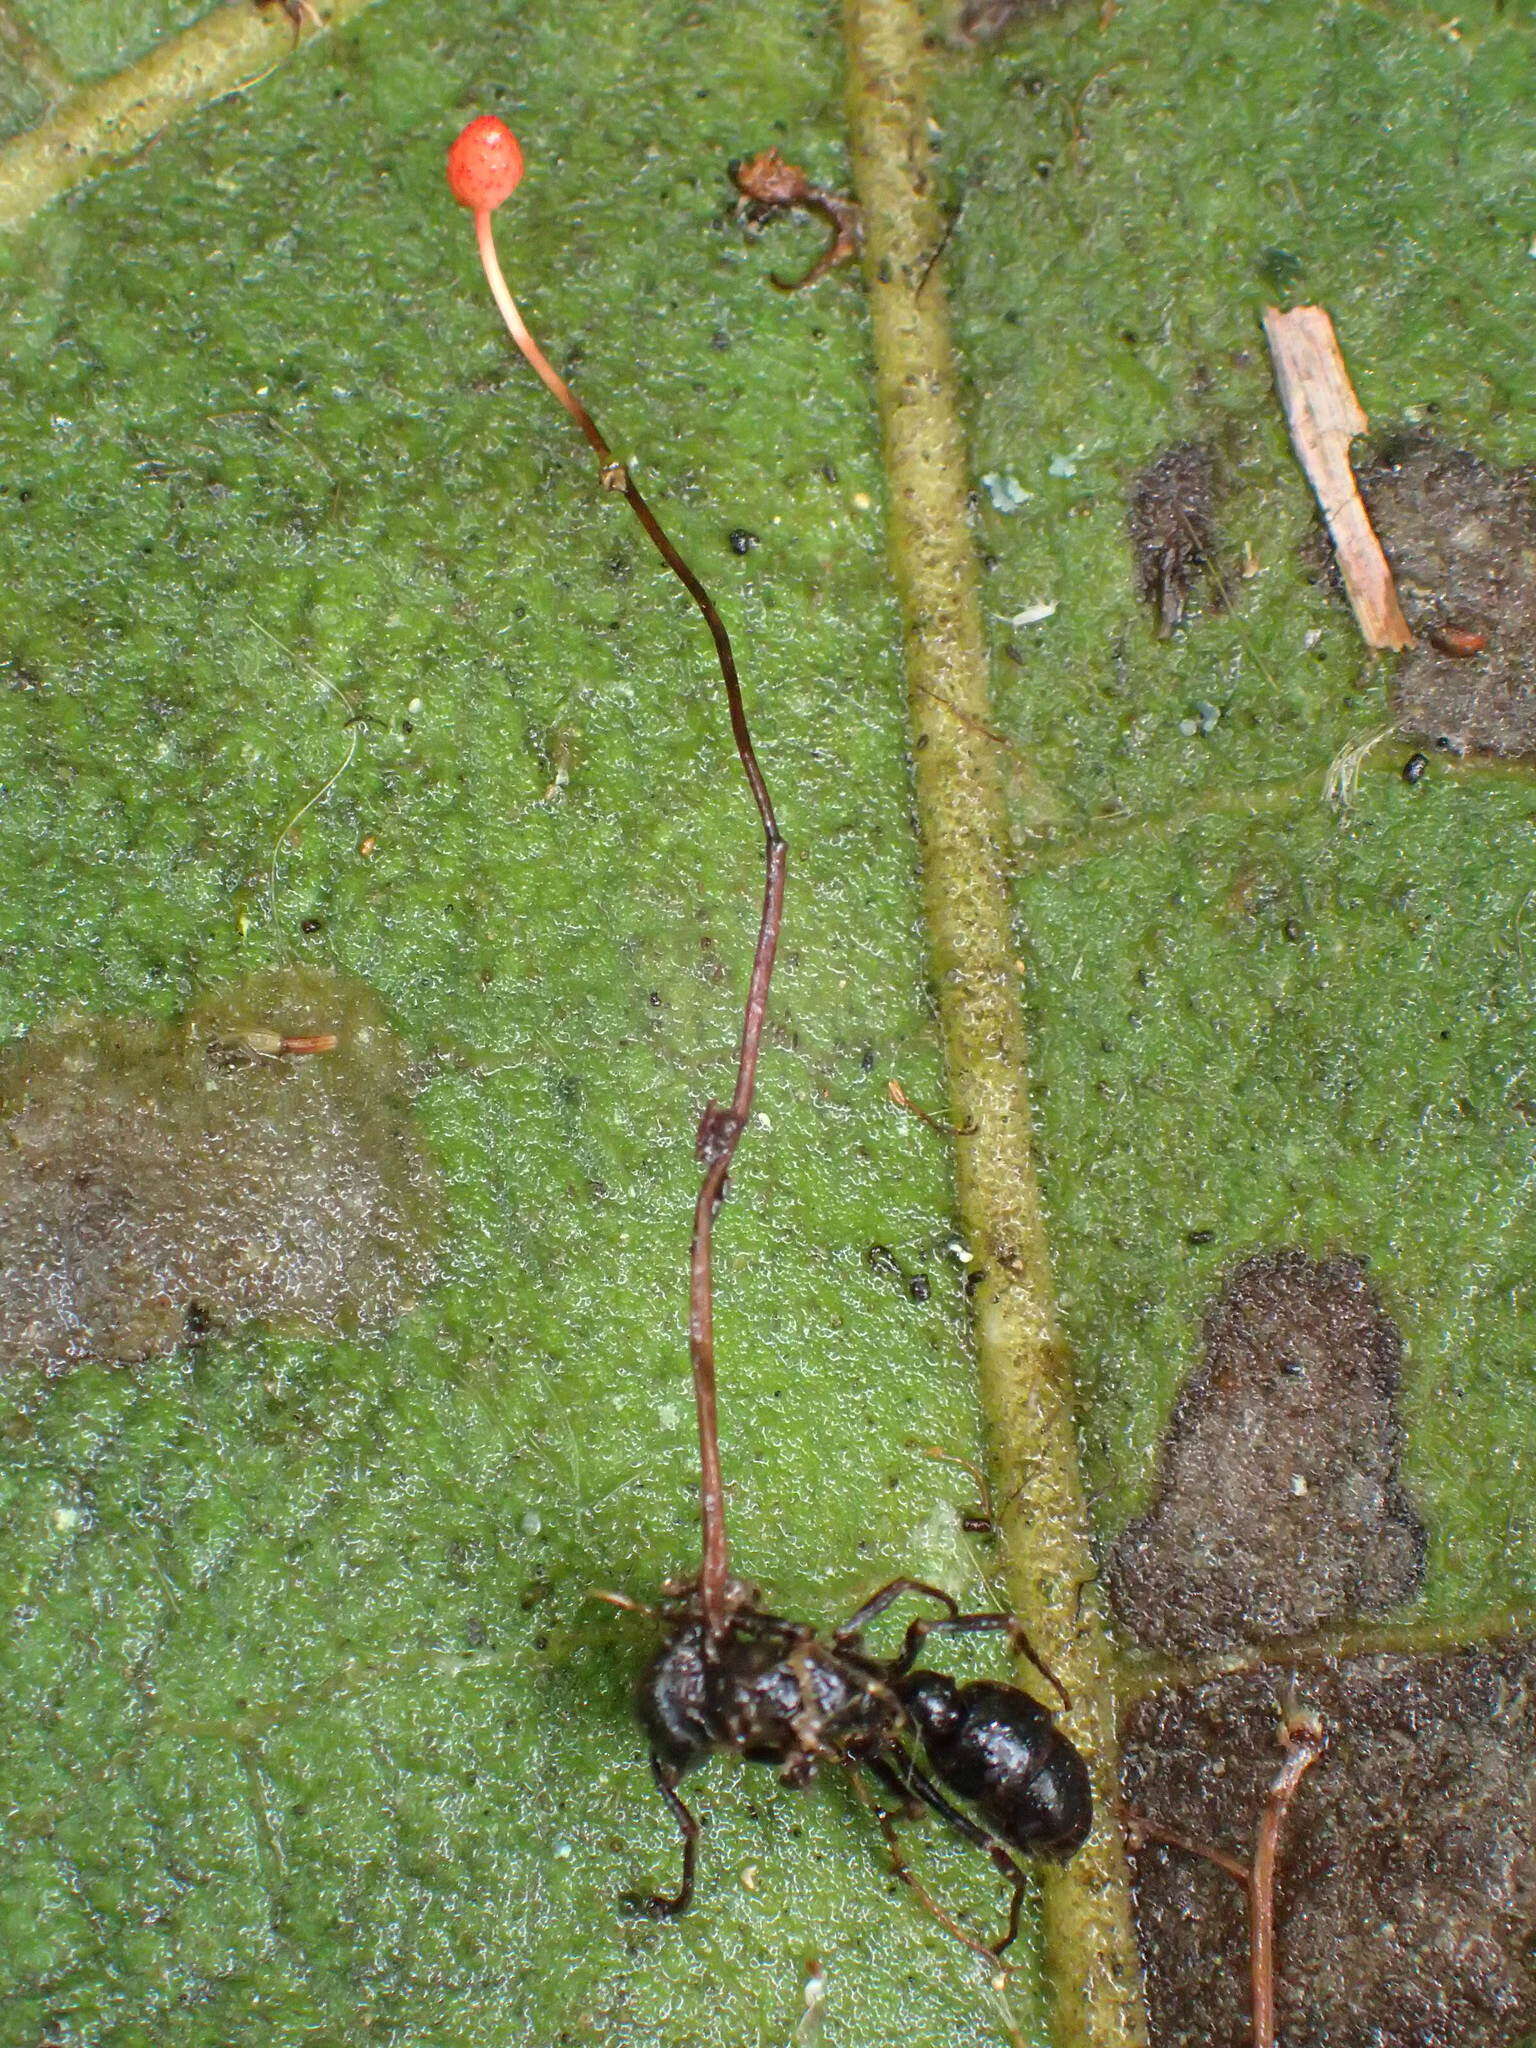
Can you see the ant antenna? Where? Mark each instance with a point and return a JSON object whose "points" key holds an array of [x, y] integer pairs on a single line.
{"points": [[485, 166]]}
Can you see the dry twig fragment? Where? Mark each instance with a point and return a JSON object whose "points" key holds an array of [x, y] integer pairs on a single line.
{"points": [[1324, 416], [1302, 1738]]}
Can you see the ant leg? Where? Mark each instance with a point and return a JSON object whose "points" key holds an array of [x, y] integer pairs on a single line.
{"points": [[1017, 1879], [919, 1783], [904, 1870], [1026, 1648], [978, 1624], [662, 1905], [623, 1601], [887, 1596], [953, 1623]]}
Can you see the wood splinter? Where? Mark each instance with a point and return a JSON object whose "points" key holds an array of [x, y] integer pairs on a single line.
{"points": [[1324, 416]]}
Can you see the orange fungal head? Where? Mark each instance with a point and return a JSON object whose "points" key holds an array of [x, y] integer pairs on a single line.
{"points": [[485, 164]]}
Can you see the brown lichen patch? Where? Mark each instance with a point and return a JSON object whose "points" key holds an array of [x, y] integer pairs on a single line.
{"points": [[160, 1180], [1460, 535], [1170, 518], [1406, 1901], [1278, 1506]]}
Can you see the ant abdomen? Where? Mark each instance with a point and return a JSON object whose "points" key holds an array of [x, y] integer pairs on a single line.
{"points": [[995, 1747]]}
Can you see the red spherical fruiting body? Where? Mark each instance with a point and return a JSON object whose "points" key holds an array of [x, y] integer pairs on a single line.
{"points": [[485, 164]]}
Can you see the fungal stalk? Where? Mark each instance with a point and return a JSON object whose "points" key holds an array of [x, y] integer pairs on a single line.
{"points": [[485, 166]]}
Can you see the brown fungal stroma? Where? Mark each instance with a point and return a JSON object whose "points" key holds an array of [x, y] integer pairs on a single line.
{"points": [[1278, 1506], [255, 1159]]}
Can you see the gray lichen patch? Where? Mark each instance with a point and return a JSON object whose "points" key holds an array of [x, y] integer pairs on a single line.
{"points": [[1278, 1506], [158, 1181], [1460, 535], [1169, 514], [1406, 1899]]}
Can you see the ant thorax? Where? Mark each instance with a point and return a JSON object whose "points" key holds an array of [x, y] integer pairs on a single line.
{"points": [[770, 1690]]}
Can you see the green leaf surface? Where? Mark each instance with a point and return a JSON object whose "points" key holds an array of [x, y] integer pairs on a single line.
{"points": [[314, 1734], [90, 38]]}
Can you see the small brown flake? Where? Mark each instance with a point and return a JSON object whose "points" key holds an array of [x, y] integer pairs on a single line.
{"points": [[1406, 1902], [297, 12], [1169, 516], [1459, 642], [1278, 1506], [769, 187], [1460, 534]]}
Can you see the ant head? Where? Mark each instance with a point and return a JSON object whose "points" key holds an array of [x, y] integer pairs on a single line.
{"points": [[932, 1703]]}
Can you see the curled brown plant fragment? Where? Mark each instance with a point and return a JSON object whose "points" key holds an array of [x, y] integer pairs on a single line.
{"points": [[255, 1159], [1460, 534], [770, 187], [1278, 1506], [1169, 515], [1405, 1898]]}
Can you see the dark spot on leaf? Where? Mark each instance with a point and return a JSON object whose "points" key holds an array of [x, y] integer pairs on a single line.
{"points": [[1406, 1903], [1169, 517], [1460, 534], [1278, 1505], [1280, 272]]}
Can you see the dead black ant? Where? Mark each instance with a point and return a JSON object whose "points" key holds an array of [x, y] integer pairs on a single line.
{"points": [[774, 1692], [730, 1675]]}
